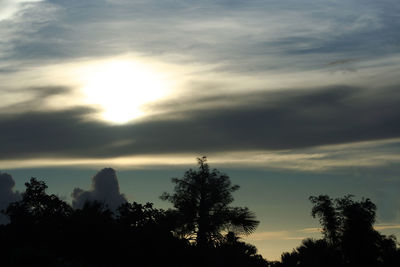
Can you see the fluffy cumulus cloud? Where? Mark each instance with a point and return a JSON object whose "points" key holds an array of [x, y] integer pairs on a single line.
{"points": [[7, 194], [105, 189]]}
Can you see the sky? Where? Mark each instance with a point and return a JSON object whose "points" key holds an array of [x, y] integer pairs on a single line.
{"points": [[290, 98]]}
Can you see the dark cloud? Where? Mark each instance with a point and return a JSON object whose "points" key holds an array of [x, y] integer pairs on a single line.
{"points": [[7, 194], [105, 189], [270, 120]]}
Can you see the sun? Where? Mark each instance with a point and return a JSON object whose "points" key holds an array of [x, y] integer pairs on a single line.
{"points": [[121, 88]]}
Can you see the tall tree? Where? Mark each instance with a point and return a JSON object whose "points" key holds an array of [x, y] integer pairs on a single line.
{"points": [[325, 209], [348, 229], [202, 198]]}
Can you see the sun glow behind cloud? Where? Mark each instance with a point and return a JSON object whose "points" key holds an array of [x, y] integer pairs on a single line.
{"points": [[121, 88]]}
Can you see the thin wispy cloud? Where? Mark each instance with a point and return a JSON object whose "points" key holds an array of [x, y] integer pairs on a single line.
{"points": [[273, 235], [386, 226], [284, 235], [310, 230]]}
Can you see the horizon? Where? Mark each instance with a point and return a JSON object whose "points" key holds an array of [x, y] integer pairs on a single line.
{"points": [[285, 219]]}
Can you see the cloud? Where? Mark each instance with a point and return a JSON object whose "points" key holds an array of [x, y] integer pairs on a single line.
{"points": [[373, 158], [7, 194], [105, 189], [381, 227], [277, 120], [274, 41], [249, 36], [311, 230], [10, 7], [29, 99], [20, 24], [275, 235], [272, 235], [298, 234]]}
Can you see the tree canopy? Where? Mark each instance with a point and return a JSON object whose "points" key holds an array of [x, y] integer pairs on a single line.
{"points": [[202, 198], [37, 206], [44, 230], [203, 229], [349, 238]]}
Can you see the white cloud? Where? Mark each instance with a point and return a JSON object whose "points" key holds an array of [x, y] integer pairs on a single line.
{"points": [[105, 189], [8, 8]]}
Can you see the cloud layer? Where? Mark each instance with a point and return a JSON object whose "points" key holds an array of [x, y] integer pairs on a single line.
{"points": [[242, 35], [273, 75], [277, 120]]}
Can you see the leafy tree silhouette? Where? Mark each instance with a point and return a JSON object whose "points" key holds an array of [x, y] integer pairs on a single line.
{"points": [[328, 217], [360, 243], [135, 215], [46, 231], [202, 199], [37, 207], [234, 252], [37, 222], [312, 253], [349, 237]]}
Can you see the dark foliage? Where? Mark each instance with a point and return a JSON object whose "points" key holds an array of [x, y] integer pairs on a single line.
{"points": [[350, 239], [46, 231], [202, 199]]}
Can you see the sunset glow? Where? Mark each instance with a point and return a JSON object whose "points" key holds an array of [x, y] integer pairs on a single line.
{"points": [[121, 88]]}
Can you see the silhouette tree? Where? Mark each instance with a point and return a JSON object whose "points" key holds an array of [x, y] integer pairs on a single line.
{"points": [[349, 233], [360, 242], [312, 253], [37, 206], [37, 224], [328, 217], [135, 215], [234, 252], [202, 199], [46, 231]]}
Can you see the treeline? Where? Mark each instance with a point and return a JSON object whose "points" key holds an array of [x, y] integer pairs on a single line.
{"points": [[202, 229]]}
